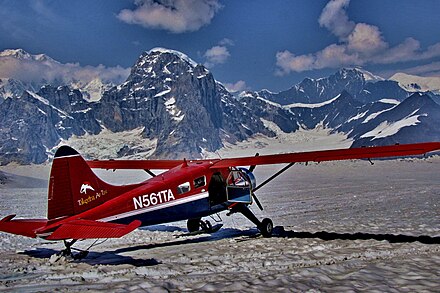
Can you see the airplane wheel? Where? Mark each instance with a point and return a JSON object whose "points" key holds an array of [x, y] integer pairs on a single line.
{"points": [[266, 227], [193, 225]]}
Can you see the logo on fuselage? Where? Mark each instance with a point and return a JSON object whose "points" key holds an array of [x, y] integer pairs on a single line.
{"points": [[146, 200], [84, 187]]}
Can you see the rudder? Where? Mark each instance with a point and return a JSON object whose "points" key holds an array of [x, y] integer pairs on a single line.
{"points": [[73, 187]]}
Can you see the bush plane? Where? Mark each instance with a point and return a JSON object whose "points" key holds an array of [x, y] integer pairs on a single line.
{"points": [[83, 206]]}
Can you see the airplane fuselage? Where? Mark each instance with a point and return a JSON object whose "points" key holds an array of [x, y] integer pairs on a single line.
{"points": [[178, 194]]}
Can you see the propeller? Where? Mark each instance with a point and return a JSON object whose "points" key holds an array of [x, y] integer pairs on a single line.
{"points": [[252, 168], [257, 201]]}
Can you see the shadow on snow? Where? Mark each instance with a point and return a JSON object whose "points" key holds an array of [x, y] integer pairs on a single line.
{"points": [[114, 257], [327, 236], [95, 258]]}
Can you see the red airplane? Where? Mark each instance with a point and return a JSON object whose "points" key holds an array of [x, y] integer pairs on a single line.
{"points": [[82, 206]]}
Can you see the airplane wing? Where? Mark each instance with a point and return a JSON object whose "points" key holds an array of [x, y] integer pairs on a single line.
{"points": [[333, 155], [85, 229], [135, 164], [316, 156]]}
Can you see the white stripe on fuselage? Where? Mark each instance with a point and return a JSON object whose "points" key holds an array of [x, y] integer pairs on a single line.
{"points": [[172, 203]]}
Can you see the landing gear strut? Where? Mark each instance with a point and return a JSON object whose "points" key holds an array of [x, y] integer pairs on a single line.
{"points": [[68, 251], [265, 226]]}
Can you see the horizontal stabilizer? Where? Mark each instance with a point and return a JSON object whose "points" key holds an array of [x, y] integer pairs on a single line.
{"points": [[85, 229], [21, 227]]}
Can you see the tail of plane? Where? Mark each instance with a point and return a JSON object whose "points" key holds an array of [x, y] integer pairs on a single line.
{"points": [[74, 188]]}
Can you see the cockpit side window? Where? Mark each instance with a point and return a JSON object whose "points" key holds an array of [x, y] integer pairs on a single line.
{"points": [[199, 182], [183, 188]]}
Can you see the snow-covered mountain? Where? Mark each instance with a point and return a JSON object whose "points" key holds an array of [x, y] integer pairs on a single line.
{"points": [[177, 104], [414, 120], [36, 122], [21, 54], [382, 122], [368, 76], [10, 87], [13, 83], [361, 84], [93, 90], [22, 71], [172, 107], [413, 83]]}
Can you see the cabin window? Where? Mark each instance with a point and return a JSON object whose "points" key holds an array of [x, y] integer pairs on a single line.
{"points": [[183, 188], [199, 182]]}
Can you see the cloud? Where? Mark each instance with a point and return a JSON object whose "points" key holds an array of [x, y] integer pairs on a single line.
{"points": [[366, 39], [331, 56], [226, 42], [43, 9], [216, 55], [287, 62], [176, 16], [335, 19], [236, 87], [51, 71], [432, 51], [359, 44]]}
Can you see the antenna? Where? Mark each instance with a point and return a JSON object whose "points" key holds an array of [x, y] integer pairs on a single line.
{"points": [[185, 163]]}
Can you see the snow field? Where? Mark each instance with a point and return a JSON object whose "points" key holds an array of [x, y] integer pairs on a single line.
{"points": [[341, 222]]}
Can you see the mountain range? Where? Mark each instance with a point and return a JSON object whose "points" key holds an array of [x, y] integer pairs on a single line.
{"points": [[171, 107]]}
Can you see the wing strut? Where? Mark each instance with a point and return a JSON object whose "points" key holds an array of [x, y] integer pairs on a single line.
{"points": [[150, 173], [274, 176]]}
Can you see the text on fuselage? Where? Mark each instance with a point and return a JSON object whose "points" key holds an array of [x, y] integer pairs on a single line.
{"points": [[146, 200]]}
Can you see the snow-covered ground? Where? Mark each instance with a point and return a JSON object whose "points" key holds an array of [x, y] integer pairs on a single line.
{"points": [[107, 144], [342, 226], [301, 140]]}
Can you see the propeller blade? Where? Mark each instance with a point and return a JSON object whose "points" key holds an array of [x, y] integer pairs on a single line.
{"points": [[252, 168], [257, 201]]}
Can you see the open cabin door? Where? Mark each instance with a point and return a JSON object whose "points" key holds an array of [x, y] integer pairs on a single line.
{"points": [[238, 187]]}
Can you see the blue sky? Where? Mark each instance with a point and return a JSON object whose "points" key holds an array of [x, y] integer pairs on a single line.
{"points": [[246, 44]]}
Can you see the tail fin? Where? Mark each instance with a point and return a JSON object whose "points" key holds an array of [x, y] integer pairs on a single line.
{"points": [[74, 188]]}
